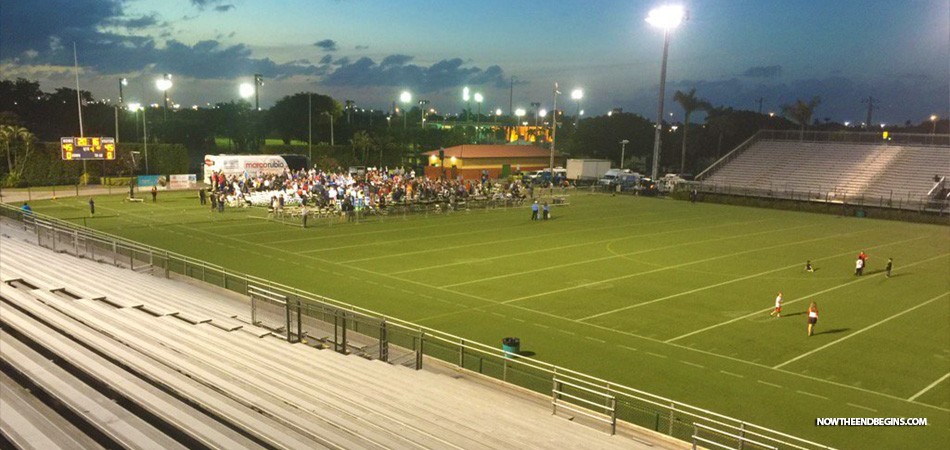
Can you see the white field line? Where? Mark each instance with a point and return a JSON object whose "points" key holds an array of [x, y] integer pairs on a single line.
{"points": [[463, 233], [824, 291], [732, 374], [582, 244], [874, 325], [861, 407], [500, 241], [712, 286], [439, 225], [812, 395], [662, 269], [929, 387], [623, 255], [770, 384]]}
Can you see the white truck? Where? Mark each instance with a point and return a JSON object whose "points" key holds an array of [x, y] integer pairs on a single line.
{"points": [[586, 169]]}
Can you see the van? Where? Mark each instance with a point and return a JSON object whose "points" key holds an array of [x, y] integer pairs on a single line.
{"points": [[611, 177]]}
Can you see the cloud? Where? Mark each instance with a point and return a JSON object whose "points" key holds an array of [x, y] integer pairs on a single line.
{"points": [[224, 8], [763, 71], [204, 4], [133, 22], [395, 70], [361, 47], [328, 45], [327, 59]]}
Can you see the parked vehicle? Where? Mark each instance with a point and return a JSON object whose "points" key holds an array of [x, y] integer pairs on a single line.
{"points": [[611, 178], [586, 169]]}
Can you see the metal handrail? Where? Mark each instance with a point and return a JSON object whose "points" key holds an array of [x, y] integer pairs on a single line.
{"points": [[597, 385], [729, 156]]}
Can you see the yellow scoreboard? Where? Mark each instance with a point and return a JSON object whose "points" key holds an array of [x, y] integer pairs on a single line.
{"points": [[87, 148]]}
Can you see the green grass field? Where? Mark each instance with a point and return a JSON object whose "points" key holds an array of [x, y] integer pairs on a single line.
{"points": [[664, 296]]}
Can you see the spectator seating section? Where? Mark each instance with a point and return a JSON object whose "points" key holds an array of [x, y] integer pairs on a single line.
{"points": [[186, 374], [837, 169]]}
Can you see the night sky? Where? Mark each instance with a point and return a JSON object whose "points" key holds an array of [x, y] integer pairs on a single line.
{"points": [[732, 51]]}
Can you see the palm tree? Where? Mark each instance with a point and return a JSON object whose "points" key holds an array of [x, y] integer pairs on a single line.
{"points": [[690, 103], [7, 136], [361, 143], [801, 112]]}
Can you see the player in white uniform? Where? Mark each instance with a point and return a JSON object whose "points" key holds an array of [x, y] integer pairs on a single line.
{"points": [[777, 312]]}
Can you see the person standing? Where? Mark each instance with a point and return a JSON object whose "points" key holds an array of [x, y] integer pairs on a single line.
{"points": [[777, 312], [546, 211], [859, 267], [154, 193], [887, 269], [534, 210], [808, 267], [92, 206], [812, 318], [202, 196], [214, 201]]}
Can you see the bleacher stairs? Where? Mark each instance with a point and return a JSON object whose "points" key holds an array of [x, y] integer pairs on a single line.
{"points": [[96, 356]]}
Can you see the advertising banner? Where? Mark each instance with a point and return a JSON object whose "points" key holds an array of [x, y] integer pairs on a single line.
{"points": [[147, 181], [183, 181]]}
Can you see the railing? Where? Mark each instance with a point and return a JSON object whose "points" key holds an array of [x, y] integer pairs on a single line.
{"points": [[398, 341], [729, 156], [909, 202], [857, 137]]}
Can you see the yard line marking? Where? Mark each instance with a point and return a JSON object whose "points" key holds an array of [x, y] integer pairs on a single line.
{"points": [[812, 395], [861, 407], [656, 354], [623, 277], [769, 384], [874, 325], [693, 364], [713, 286], [756, 313], [582, 244], [462, 233], [732, 374], [499, 314], [518, 320], [539, 325], [931, 386], [623, 255], [595, 339], [628, 348], [568, 332], [501, 241]]}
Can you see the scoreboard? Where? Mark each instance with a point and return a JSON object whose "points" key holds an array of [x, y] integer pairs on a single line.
{"points": [[85, 148]]}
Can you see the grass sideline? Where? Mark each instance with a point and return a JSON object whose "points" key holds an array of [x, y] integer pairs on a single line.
{"points": [[660, 295]]}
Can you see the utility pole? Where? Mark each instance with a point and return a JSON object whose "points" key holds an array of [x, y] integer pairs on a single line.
{"points": [[760, 104], [553, 131], [870, 101], [310, 125]]}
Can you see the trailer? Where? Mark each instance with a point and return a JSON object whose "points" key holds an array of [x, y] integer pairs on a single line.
{"points": [[587, 169]]}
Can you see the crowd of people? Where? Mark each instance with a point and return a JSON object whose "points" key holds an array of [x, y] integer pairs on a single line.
{"points": [[343, 191]]}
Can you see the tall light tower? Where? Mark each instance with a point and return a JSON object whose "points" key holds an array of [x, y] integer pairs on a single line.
{"points": [[258, 82], [577, 95], [467, 98], [122, 82], [623, 151], [164, 84], [554, 131], [666, 18], [405, 98], [478, 117]]}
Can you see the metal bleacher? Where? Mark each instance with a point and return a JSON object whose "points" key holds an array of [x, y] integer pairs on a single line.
{"points": [[835, 170], [97, 356]]}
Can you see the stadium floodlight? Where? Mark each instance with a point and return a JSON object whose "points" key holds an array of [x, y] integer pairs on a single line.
{"points": [[543, 113], [498, 112], [667, 18], [520, 112], [478, 97], [246, 90], [577, 94], [405, 97], [465, 94], [164, 84], [135, 106]]}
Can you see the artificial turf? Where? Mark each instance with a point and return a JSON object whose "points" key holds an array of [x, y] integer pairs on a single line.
{"points": [[664, 296]]}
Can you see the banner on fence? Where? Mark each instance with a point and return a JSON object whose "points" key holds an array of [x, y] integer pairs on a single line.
{"points": [[147, 181], [185, 181]]}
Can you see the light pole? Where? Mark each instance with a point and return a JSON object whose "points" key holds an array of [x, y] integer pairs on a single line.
{"points": [[405, 98], [164, 84], [623, 151], [258, 82], [519, 113], [554, 132], [328, 113], [467, 99], [122, 82], [667, 18], [536, 106], [478, 117], [136, 107], [310, 126], [422, 113], [933, 121], [577, 95]]}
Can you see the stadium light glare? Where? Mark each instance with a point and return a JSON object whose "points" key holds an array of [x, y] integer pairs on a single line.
{"points": [[405, 97], [520, 112], [666, 17], [577, 94], [498, 112], [246, 90], [465, 94], [543, 113], [135, 106]]}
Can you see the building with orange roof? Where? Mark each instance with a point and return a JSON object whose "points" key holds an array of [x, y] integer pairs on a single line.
{"points": [[470, 161]]}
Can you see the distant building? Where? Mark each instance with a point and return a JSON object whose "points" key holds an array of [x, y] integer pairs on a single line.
{"points": [[470, 161]]}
